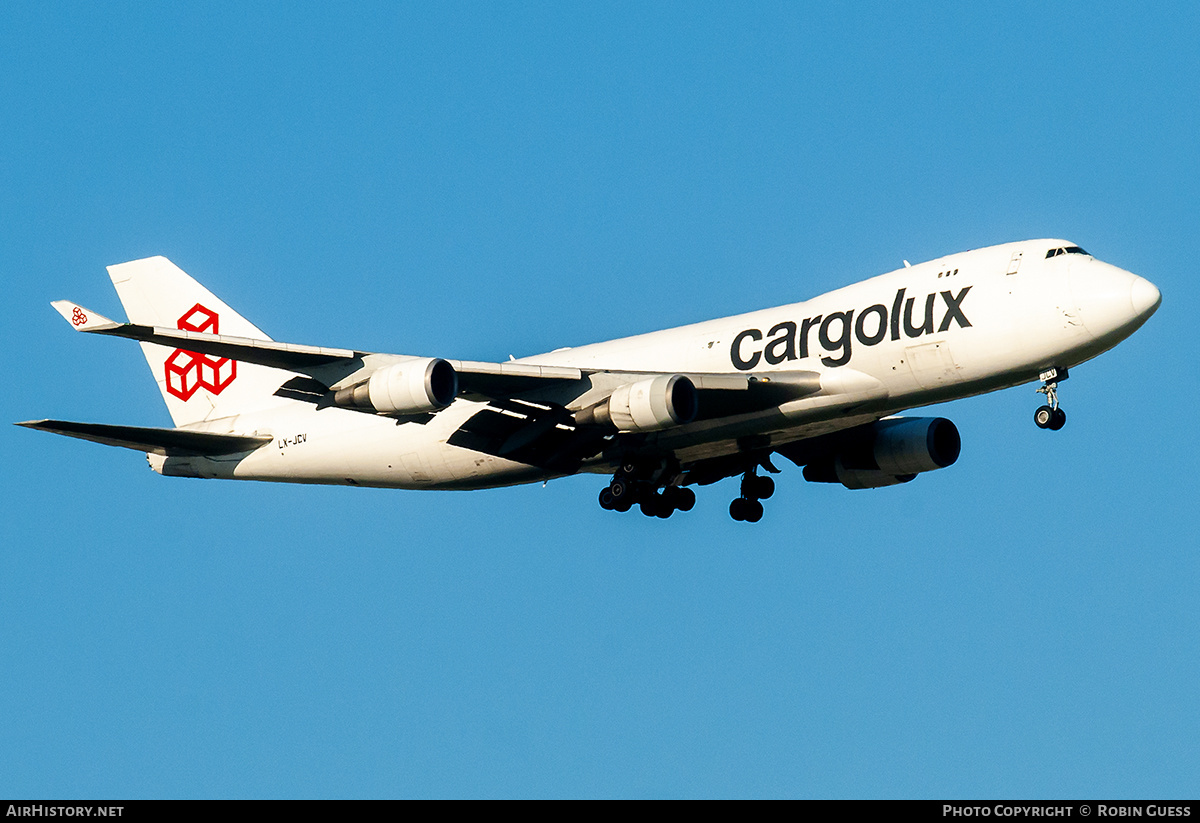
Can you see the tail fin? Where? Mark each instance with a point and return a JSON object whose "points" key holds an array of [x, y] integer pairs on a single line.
{"points": [[195, 387]]}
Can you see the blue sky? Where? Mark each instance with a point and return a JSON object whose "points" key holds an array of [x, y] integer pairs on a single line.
{"points": [[474, 180]]}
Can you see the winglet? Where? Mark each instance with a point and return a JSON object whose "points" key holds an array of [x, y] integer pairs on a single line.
{"points": [[82, 319]]}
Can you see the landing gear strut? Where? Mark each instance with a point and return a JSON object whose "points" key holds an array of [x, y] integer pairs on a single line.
{"points": [[1050, 416], [754, 488]]}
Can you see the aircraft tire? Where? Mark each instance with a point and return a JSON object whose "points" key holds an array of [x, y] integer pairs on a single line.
{"points": [[737, 509], [754, 511], [1044, 417], [685, 500], [1058, 419], [764, 487], [620, 489], [606, 499]]}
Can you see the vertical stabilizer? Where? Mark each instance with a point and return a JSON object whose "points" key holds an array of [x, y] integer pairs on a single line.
{"points": [[195, 387]]}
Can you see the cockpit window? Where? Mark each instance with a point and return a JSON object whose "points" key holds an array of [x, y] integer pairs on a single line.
{"points": [[1067, 250]]}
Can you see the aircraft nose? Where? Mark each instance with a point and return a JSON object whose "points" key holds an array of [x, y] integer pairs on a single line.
{"points": [[1111, 302], [1145, 296]]}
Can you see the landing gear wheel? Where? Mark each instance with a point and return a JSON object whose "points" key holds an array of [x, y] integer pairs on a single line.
{"points": [[754, 489], [1058, 419], [655, 506], [679, 498], [763, 488], [737, 509], [685, 500], [619, 496], [754, 511], [624, 492], [746, 509], [1044, 417]]}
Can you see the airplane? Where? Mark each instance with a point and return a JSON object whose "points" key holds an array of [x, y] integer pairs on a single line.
{"points": [[819, 383]]}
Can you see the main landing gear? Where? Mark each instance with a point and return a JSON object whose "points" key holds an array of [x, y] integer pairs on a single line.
{"points": [[1051, 416], [754, 489], [652, 487], [626, 490]]}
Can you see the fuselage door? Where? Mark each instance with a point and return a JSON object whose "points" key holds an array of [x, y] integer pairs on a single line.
{"points": [[932, 364], [1014, 263]]}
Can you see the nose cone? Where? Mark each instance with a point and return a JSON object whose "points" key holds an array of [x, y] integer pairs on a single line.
{"points": [[1146, 298], [1111, 302]]}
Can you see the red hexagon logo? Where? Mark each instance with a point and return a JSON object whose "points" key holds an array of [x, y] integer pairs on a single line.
{"points": [[187, 372]]}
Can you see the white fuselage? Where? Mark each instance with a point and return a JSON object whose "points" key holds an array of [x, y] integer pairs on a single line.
{"points": [[953, 327]]}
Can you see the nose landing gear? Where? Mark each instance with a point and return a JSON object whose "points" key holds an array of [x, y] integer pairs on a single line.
{"points": [[1050, 416]]}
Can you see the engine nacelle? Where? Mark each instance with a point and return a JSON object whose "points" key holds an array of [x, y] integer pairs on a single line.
{"points": [[414, 386], [893, 451], [647, 405], [866, 478], [910, 445]]}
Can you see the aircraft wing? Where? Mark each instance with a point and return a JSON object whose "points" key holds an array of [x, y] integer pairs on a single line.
{"points": [[157, 441], [506, 379], [287, 356], [720, 395], [328, 365]]}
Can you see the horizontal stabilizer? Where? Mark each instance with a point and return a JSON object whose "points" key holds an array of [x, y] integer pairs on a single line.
{"points": [[82, 319], [287, 356], [157, 441]]}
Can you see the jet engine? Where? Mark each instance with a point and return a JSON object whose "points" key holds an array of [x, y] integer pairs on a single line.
{"points": [[893, 450], [647, 405], [411, 387]]}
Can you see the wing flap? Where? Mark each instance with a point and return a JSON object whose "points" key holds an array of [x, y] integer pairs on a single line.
{"points": [[498, 380]]}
